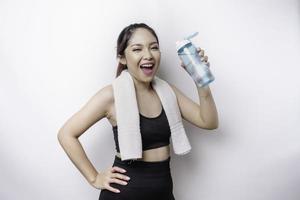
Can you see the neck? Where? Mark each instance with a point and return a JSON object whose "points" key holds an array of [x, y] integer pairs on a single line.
{"points": [[142, 87]]}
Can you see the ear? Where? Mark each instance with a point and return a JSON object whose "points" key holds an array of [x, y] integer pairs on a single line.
{"points": [[122, 60]]}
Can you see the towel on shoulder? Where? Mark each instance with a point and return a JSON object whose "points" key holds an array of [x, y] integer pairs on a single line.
{"points": [[127, 116]]}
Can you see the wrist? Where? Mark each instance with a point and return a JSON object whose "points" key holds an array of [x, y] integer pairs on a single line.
{"points": [[204, 91], [93, 179]]}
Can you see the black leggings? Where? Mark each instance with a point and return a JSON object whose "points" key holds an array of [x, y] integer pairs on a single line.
{"points": [[148, 181]]}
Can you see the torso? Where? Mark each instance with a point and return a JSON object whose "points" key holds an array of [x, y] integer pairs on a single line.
{"points": [[149, 105]]}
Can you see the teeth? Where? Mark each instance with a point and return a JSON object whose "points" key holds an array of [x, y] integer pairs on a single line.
{"points": [[147, 65]]}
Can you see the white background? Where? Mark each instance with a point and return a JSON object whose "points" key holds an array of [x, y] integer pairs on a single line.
{"points": [[54, 55]]}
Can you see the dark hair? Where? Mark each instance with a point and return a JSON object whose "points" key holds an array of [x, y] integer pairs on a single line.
{"points": [[123, 39]]}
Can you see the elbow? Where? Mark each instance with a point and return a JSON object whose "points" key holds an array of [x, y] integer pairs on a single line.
{"points": [[213, 126], [62, 137], [210, 122]]}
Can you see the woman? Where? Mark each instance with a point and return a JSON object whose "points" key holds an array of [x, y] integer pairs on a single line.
{"points": [[149, 177]]}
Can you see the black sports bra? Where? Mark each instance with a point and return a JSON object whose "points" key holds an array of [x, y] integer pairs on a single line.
{"points": [[155, 131]]}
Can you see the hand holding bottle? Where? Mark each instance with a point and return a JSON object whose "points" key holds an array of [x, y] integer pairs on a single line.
{"points": [[204, 58], [194, 61]]}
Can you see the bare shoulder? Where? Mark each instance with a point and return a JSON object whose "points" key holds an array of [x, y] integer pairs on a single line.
{"points": [[178, 92], [106, 93], [102, 101], [96, 108]]}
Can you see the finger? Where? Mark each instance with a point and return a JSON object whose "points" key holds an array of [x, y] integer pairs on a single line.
{"points": [[115, 180], [182, 65], [120, 176], [108, 187], [117, 169], [201, 53], [208, 64], [204, 59]]}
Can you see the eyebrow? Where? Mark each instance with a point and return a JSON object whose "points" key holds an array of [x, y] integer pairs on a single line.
{"points": [[142, 45]]}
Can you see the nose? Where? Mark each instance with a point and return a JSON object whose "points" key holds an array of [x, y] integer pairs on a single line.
{"points": [[148, 54]]}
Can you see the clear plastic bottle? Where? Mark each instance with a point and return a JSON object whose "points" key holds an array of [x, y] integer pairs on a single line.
{"points": [[197, 69]]}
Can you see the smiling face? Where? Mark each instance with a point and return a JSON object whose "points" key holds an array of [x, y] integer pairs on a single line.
{"points": [[142, 55]]}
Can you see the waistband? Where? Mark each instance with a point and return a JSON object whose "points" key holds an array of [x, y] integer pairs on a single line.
{"points": [[137, 163]]}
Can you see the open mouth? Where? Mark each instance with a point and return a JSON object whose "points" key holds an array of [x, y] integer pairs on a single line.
{"points": [[147, 68]]}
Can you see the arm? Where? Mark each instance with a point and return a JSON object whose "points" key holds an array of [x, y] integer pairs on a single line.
{"points": [[208, 110], [94, 110], [204, 115]]}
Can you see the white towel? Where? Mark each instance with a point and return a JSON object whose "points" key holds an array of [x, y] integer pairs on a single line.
{"points": [[127, 115]]}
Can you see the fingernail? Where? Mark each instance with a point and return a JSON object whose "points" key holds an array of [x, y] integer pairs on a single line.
{"points": [[123, 170], [127, 178], [118, 190]]}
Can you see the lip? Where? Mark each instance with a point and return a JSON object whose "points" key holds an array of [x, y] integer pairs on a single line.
{"points": [[148, 63]]}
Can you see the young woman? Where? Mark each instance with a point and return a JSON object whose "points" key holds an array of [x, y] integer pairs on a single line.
{"points": [[149, 177]]}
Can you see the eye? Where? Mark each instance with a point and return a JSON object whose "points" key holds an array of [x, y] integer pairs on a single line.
{"points": [[154, 47], [136, 49]]}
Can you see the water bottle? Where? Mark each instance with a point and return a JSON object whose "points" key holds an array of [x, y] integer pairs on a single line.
{"points": [[197, 69]]}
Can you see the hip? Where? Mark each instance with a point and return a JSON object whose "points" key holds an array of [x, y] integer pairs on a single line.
{"points": [[148, 180]]}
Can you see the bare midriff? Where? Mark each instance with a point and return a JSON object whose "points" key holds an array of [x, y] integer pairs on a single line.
{"points": [[153, 155]]}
